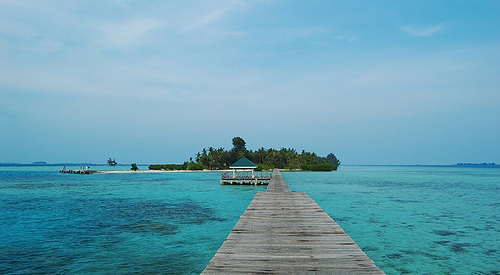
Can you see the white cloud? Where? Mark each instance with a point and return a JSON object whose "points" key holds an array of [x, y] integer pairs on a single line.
{"points": [[420, 31], [120, 3], [16, 29], [128, 34], [47, 46], [216, 14]]}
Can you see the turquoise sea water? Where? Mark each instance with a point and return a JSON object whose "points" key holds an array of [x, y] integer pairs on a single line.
{"points": [[409, 220]]}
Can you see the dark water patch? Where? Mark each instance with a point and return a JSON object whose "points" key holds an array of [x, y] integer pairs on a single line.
{"points": [[443, 232], [447, 215], [480, 272], [69, 225], [37, 259], [144, 180], [194, 213], [394, 256], [160, 217], [179, 262], [404, 271], [406, 201], [442, 242], [472, 227], [34, 259], [492, 226], [42, 185], [147, 227], [490, 252], [32, 177], [369, 248], [187, 212], [92, 221], [459, 247], [409, 252], [36, 204], [203, 180], [341, 219], [357, 203], [425, 254], [388, 184], [435, 257]]}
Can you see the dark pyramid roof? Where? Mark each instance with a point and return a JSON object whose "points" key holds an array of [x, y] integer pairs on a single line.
{"points": [[243, 163]]}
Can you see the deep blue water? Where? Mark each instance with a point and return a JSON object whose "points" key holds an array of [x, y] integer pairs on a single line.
{"points": [[409, 220]]}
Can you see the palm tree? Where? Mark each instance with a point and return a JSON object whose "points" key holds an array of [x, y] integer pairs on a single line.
{"points": [[112, 162]]}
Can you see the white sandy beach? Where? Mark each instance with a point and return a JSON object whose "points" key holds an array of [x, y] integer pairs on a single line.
{"points": [[157, 171]]}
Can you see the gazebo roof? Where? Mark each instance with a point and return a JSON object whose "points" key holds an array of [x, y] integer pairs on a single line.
{"points": [[243, 163]]}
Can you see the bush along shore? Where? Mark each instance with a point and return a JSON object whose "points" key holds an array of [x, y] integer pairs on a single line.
{"points": [[266, 159]]}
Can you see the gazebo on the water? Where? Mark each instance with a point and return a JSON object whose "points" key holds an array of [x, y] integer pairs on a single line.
{"points": [[244, 173], [244, 165]]}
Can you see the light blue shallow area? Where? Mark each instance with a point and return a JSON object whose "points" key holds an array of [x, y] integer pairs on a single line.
{"points": [[415, 220]]}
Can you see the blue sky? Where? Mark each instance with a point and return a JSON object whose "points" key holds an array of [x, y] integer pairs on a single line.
{"points": [[375, 82]]}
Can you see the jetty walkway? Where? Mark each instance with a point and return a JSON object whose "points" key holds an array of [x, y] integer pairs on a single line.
{"points": [[284, 232], [80, 172]]}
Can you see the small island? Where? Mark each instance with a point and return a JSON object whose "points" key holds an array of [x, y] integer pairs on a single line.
{"points": [[477, 164], [266, 159]]}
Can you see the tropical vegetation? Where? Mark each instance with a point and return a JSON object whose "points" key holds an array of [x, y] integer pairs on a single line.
{"points": [[112, 162], [285, 158]]}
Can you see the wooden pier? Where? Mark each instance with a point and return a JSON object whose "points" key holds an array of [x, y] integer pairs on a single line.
{"points": [[284, 232], [256, 179], [81, 172]]}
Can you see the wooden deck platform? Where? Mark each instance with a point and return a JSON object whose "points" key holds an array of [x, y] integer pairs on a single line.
{"points": [[258, 179], [81, 172], [284, 232]]}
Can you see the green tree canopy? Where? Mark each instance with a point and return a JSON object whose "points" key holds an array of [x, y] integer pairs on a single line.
{"points": [[112, 162], [239, 144], [288, 158], [332, 159]]}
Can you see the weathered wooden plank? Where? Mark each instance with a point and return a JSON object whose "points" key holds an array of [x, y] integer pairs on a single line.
{"points": [[292, 247], [296, 270], [314, 271], [284, 232], [278, 184], [311, 271]]}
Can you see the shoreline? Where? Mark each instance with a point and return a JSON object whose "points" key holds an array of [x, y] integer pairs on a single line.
{"points": [[156, 171], [172, 171]]}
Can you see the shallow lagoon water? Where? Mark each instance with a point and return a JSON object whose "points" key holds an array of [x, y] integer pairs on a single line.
{"points": [[409, 220], [170, 223], [415, 220]]}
